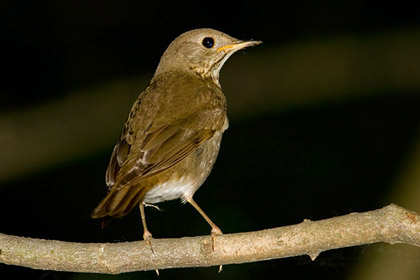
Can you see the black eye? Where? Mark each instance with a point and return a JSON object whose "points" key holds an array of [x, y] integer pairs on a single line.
{"points": [[208, 42]]}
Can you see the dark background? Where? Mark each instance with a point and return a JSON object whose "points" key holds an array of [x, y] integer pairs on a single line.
{"points": [[275, 168]]}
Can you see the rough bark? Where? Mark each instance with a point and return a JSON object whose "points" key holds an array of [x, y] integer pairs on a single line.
{"points": [[391, 224]]}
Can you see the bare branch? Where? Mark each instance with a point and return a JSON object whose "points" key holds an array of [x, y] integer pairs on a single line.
{"points": [[391, 224]]}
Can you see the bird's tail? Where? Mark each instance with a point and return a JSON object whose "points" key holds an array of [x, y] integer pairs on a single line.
{"points": [[119, 202]]}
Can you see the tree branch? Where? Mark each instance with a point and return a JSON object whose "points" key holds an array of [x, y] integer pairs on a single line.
{"points": [[391, 224]]}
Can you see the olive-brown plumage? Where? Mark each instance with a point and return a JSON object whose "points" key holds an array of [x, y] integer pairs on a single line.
{"points": [[172, 136]]}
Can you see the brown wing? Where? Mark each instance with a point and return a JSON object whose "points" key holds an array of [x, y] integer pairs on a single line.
{"points": [[161, 150]]}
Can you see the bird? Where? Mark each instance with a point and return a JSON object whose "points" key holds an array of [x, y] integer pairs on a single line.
{"points": [[172, 135]]}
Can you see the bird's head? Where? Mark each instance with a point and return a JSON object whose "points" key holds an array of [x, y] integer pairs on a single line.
{"points": [[202, 51]]}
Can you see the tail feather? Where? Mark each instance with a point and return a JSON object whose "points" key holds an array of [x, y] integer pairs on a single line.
{"points": [[119, 202]]}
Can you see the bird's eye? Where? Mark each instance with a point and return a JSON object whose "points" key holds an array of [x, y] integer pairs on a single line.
{"points": [[208, 42]]}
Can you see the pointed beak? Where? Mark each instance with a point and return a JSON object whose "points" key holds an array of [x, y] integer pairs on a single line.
{"points": [[238, 46]]}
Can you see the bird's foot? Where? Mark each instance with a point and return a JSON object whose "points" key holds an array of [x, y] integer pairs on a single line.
{"points": [[147, 236], [215, 231], [154, 206]]}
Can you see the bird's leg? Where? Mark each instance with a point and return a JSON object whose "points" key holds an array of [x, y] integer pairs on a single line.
{"points": [[147, 235], [215, 230]]}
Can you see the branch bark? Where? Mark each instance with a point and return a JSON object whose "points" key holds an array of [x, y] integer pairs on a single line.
{"points": [[391, 224]]}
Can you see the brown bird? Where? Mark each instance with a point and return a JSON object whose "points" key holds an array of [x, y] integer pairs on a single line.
{"points": [[172, 136]]}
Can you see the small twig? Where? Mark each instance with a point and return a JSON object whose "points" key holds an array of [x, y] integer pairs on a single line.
{"points": [[390, 224]]}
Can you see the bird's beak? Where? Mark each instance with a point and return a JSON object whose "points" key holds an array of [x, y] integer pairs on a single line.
{"points": [[238, 46]]}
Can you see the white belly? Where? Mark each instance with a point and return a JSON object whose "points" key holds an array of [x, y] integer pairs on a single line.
{"points": [[170, 190]]}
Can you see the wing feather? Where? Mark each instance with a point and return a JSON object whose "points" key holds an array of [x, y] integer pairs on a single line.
{"points": [[153, 142]]}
